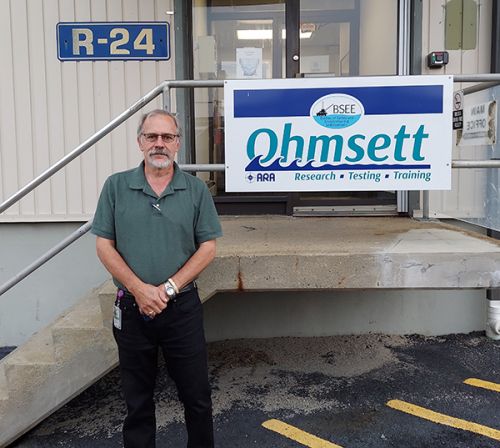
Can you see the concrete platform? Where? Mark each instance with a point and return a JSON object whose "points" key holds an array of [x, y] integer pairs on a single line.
{"points": [[286, 253], [256, 254]]}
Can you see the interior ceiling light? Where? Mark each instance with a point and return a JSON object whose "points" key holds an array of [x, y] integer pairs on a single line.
{"points": [[254, 34], [265, 34], [248, 22]]}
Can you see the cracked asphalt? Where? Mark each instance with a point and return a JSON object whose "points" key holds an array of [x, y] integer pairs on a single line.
{"points": [[333, 388]]}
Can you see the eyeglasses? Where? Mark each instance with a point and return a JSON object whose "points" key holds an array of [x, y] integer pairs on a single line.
{"points": [[166, 138]]}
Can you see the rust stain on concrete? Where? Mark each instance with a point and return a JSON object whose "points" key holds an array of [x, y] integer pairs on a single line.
{"points": [[240, 282]]}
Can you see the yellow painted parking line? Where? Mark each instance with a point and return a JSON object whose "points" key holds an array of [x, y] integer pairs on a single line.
{"points": [[298, 435], [484, 384], [444, 419]]}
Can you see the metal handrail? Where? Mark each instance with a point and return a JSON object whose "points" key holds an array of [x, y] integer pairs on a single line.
{"points": [[485, 77], [164, 88], [83, 147], [82, 231], [46, 257]]}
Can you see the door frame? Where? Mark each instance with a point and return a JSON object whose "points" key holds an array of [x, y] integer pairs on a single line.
{"points": [[285, 202]]}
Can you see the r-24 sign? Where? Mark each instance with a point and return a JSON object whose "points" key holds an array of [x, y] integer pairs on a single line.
{"points": [[113, 41]]}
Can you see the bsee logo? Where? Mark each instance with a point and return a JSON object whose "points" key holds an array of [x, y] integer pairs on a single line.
{"points": [[337, 111]]}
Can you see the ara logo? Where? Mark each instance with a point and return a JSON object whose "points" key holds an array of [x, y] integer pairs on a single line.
{"points": [[250, 178], [260, 177], [337, 111]]}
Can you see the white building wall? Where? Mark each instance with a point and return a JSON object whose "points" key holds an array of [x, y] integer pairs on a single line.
{"points": [[467, 194], [49, 107]]}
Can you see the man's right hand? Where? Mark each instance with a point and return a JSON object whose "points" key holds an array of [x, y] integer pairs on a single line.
{"points": [[150, 299]]}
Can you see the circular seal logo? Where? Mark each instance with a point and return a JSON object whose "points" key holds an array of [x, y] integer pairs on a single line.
{"points": [[337, 111]]}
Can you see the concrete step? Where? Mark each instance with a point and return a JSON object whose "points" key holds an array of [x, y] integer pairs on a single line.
{"points": [[34, 362], [107, 295], [55, 365], [3, 384], [82, 327], [38, 349]]}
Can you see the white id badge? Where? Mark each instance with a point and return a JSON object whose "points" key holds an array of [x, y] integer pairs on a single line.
{"points": [[117, 317]]}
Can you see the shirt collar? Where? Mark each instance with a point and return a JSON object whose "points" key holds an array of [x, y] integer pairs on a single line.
{"points": [[137, 181]]}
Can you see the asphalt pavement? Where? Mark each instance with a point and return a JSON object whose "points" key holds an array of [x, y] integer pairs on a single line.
{"points": [[360, 391]]}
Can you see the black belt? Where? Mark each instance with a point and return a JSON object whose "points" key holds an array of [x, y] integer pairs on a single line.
{"points": [[188, 287]]}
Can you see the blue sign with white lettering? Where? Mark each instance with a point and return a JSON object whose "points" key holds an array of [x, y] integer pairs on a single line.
{"points": [[84, 41]]}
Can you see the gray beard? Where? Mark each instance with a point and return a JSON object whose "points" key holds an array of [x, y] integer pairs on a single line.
{"points": [[161, 164]]}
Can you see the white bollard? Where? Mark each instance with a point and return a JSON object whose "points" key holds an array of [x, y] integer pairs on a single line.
{"points": [[493, 319]]}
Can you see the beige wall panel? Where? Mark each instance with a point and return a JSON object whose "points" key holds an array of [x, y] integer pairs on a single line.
{"points": [[436, 22], [102, 112], [455, 64], [72, 136], [484, 35], [8, 149], [118, 103], [425, 30], [53, 72], [148, 72], [467, 194], [70, 122], [477, 61], [86, 121], [38, 118], [49, 107], [22, 98], [133, 86]]}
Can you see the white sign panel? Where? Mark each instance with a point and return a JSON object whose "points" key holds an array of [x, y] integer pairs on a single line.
{"points": [[479, 124], [339, 134]]}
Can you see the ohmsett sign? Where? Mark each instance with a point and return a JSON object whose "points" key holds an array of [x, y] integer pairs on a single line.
{"points": [[377, 133]]}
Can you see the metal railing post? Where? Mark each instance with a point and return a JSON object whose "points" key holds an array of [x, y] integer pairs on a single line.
{"points": [[425, 204], [166, 99]]}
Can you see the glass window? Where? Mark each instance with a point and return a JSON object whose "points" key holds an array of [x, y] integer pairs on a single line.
{"points": [[246, 39]]}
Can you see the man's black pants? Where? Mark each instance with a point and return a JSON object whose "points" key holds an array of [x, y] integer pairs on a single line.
{"points": [[178, 331]]}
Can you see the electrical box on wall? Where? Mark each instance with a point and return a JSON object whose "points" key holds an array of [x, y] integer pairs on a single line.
{"points": [[437, 59]]}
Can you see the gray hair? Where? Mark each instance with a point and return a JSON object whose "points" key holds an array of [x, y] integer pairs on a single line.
{"points": [[153, 113]]}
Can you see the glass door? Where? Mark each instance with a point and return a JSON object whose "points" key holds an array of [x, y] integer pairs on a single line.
{"points": [[344, 38], [263, 39], [235, 39]]}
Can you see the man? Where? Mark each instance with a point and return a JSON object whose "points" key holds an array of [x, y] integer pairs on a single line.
{"points": [[156, 230]]}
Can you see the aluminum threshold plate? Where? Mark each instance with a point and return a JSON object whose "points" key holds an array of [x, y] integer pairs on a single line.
{"points": [[358, 210]]}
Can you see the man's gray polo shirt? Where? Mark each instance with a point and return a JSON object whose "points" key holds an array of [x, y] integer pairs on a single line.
{"points": [[155, 235]]}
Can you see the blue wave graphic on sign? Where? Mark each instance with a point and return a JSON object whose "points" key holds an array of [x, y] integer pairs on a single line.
{"points": [[255, 165]]}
